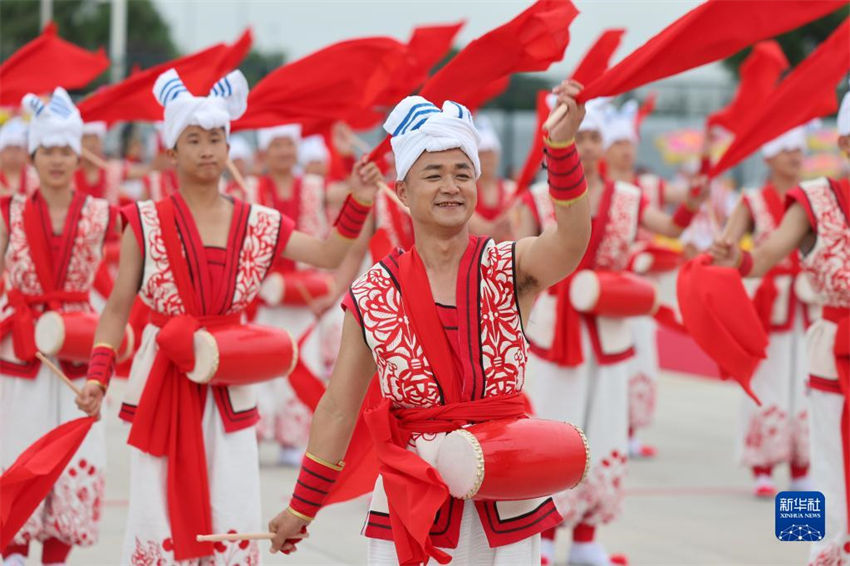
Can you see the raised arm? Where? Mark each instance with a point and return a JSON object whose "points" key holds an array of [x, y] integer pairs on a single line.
{"points": [[328, 252], [334, 419], [791, 234], [672, 225], [544, 260]]}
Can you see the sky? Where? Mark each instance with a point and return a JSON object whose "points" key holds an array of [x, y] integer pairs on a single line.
{"points": [[301, 27]]}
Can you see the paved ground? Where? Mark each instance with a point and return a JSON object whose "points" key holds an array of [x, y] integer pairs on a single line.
{"points": [[689, 506]]}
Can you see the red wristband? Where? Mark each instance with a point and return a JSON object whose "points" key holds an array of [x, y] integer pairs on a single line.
{"points": [[683, 216], [352, 217], [746, 263], [566, 175], [101, 364], [313, 485]]}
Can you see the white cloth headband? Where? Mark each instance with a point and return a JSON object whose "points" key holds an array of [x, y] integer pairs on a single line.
{"points": [[417, 126], [226, 101], [55, 124]]}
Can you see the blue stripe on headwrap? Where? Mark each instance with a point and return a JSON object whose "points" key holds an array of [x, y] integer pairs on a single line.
{"points": [[170, 83], [424, 111], [459, 108], [176, 92], [229, 86], [410, 114]]}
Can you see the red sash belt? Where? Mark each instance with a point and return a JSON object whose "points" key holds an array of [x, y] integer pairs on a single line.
{"points": [[841, 351], [167, 424], [415, 491], [21, 323], [766, 294]]}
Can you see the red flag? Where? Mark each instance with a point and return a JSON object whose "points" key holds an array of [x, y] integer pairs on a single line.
{"points": [[45, 63], [645, 109], [535, 152], [329, 85], [132, 99], [530, 42], [721, 318], [711, 31], [598, 57], [760, 73], [30, 478], [807, 93]]}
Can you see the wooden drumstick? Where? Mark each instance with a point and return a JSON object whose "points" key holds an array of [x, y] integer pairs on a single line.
{"points": [[232, 537], [94, 158], [305, 294], [555, 116], [394, 197], [59, 373]]}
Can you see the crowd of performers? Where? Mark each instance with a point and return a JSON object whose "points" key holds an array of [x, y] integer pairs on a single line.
{"points": [[554, 288]]}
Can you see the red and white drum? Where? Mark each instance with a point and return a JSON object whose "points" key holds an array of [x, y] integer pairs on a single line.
{"points": [[612, 293], [512, 459], [70, 336], [655, 259], [243, 354], [295, 287]]}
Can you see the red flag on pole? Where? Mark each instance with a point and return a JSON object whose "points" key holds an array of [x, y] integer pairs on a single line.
{"points": [[131, 99], [760, 74], [808, 92], [530, 42], [30, 478], [45, 63], [711, 31], [535, 152], [598, 57]]}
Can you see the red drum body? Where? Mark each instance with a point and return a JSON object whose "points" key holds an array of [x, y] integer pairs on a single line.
{"points": [[612, 293], [513, 459], [295, 287], [70, 336], [656, 259], [112, 252], [239, 355]]}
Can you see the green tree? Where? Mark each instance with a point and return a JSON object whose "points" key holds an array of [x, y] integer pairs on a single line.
{"points": [[86, 23], [799, 43]]}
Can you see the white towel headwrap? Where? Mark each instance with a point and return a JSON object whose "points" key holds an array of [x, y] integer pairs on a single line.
{"points": [[95, 129], [489, 137], [844, 116], [226, 101], [313, 148], [620, 124], [240, 149], [13, 133], [55, 124], [266, 136], [793, 139], [594, 117], [417, 126]]}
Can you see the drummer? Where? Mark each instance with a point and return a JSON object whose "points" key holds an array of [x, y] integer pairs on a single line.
{"points": [[443, 328], [194, 463], [580, 363], [51, 243]]}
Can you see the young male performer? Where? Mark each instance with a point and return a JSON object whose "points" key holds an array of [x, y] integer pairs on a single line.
{"points": [[777, 432], [16, 175], [301, 199], [817, 223], [442, 325], [51, 244], [194, 466], [494, 193], [580, 363]]}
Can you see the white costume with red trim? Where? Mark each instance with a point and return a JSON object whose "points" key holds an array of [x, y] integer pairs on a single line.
{"points": [[33, 400], [593, 394], [778, 430], [828, 265], [257, 235]]}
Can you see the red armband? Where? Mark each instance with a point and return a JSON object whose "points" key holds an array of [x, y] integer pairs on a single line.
{"points": [[313, 485], [101, 364], [746, 263], [683, 216], [352, 217], [566, 175]]}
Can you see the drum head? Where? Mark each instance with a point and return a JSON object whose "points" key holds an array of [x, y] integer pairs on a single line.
{"points": [[584, 290], [460, 462], [206, 357], [50, 333]]}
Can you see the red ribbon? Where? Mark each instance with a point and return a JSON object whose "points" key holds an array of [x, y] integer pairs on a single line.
{"points": [[415, 491]]}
